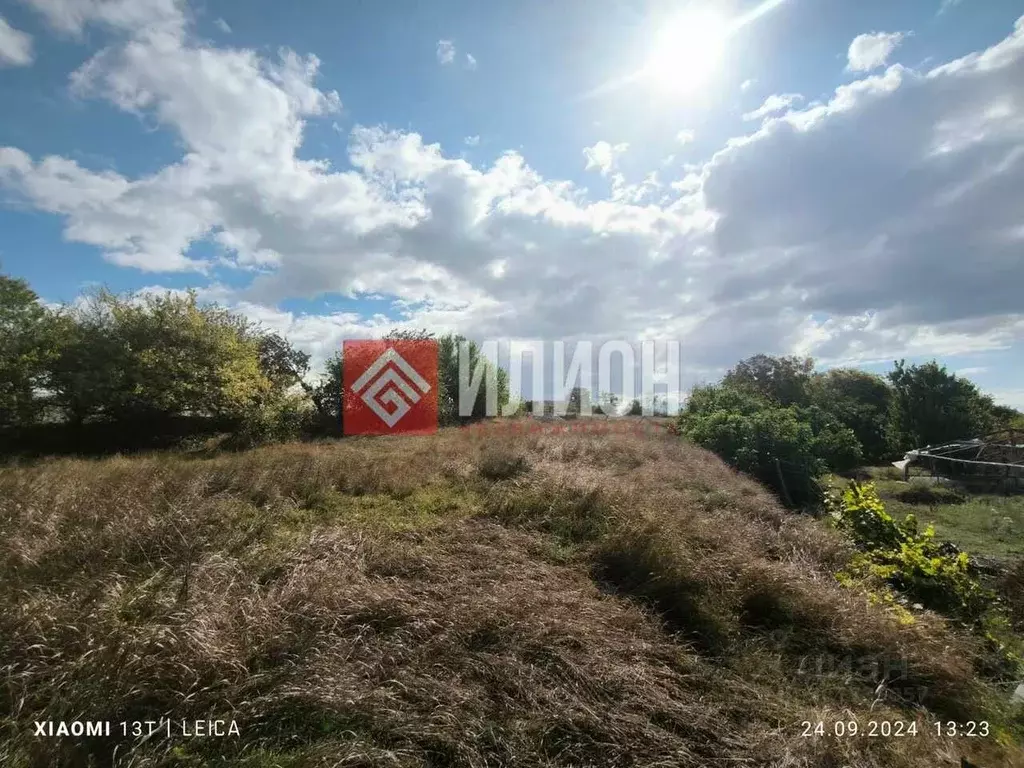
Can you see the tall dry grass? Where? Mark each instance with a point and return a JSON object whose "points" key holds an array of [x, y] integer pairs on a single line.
{"points": [[553, 599]]}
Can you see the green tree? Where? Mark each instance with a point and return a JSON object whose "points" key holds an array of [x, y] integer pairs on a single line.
{"points": [[449, 349], [859, 400], [932, 406], [131, 357], [1005, 417], [783, 380], [326, 394], [27, 339], [284, 365]]}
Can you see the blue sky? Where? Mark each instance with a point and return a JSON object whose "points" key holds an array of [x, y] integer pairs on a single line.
{"points": [[335, 169]]}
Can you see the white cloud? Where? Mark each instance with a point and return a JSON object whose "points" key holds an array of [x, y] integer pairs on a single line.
{"points": [[470, 61], [861, 211], [15, 46], [872, 50], [838, 229], [775, 103], [603, 156], [1014, 398], [685, 136], [947, 4], [746, 85], [971, 370], [144, 18], [445, 51], [635, 194], [472, 141], [223, 26]]}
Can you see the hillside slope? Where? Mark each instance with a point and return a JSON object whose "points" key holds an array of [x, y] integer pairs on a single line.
{"points": [[576, 600]]}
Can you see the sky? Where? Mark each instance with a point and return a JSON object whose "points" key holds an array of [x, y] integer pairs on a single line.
{"points": [[816, 177]]}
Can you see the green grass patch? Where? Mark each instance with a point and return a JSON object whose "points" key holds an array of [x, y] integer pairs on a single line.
{"points": [[425, 507], [987, 525]]}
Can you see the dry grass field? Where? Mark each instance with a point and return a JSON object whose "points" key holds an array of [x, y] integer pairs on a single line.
{"points": [[459, 600]]}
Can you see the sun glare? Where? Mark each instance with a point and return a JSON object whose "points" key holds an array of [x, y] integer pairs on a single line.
{"points": [[688, 51]]}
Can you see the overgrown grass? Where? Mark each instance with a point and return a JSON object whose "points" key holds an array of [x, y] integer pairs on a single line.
{"points": [[555, 599]]}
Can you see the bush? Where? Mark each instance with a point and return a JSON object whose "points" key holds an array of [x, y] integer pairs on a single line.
{"points": [[910, 561], [282, 419], [762, 438], [860, 401]]}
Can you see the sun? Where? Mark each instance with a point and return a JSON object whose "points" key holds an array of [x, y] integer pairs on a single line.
{"points": [[687, 52]]}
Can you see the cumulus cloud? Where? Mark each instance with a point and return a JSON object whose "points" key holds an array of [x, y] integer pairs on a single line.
{"points": [[839, 230], [223, 26], [603, 156], [145, 18], [470, 61], [893, 210], [775, 103], [870, 51], [472, 141], [746, 85], [685, 136], [15, 46], [445, 51]]}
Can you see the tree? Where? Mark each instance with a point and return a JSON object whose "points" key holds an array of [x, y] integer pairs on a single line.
{"points": [[449, 348], [327, 393], [859, 400], [932, 406], [575, 404], [1005, 417], [150, 357], [784, 380], [284, 365], [26, 348]]}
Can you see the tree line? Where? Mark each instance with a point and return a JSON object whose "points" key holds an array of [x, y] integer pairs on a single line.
{"points": [[112, 371], [778, 419]]}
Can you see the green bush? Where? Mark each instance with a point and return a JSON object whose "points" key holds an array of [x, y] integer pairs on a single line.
{"points": [[762, 438], [859, 400], [281, 419], [909, 561]]}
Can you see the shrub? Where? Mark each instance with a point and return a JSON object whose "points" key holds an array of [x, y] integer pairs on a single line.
{"points": [[910, 561], [282, 419], [762, 438], [860, 401]]}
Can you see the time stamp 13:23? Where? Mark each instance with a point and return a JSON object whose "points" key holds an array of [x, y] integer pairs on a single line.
{"points": [[894, 728]]}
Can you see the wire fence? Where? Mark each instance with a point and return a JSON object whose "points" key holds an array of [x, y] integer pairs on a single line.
{"points": [[994, 461]]}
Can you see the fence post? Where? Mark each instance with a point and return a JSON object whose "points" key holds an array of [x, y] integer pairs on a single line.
{"points": [[782, 484]]}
